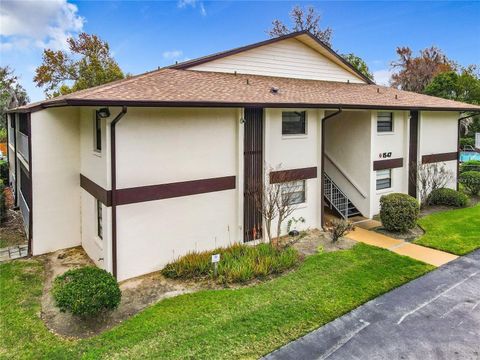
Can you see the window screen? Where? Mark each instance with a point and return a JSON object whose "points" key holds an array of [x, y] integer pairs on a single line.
{"points": [[385, 122], [99, 220], [98, 133], [294, 192], [384, 179], [293, 123]]}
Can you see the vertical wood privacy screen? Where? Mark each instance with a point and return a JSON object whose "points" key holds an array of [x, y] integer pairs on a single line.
{"points": [[253, 172]]}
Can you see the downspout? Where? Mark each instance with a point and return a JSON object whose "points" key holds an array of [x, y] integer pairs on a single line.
{"points": [[458, 143], [113, 172], [322, 165]]}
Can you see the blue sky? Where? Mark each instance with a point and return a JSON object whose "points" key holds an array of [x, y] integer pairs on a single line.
{"points": [[144, 35]]}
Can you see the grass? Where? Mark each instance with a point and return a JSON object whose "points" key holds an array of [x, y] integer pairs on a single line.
{"points": [[454, 231], [238, 263], [240, 323]]}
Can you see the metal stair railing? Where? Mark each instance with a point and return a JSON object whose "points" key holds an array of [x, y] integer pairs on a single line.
{"points": [[335, 196]]}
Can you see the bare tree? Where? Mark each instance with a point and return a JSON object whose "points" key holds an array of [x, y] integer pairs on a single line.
{"points": [[276, 201], [302, 19], [430, 177]]}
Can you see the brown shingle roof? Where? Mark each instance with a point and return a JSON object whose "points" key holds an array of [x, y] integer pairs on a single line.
{"points": [[171, 87]]}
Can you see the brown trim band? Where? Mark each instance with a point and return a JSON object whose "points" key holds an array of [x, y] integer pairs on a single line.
{"points": [[172, 190], [387, 164], [105, 196], [293, 175], [433, 158]]}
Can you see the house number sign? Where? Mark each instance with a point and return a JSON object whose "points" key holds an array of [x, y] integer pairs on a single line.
{"points": [[385, 155]]}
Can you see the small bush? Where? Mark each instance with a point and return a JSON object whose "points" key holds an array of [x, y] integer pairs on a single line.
{"points": [[398, 212], [238, 263], [470, 165], [340, 228], [467, 142], [86, 291], [470, 181], [448, 197], [4, 172]]}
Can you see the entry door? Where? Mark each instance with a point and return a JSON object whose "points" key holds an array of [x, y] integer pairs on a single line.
{"points": [[253, 173], [413, 153]]}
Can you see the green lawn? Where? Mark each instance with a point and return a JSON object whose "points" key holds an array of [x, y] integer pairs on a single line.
{"points": [[454, 231], [246, 323]]}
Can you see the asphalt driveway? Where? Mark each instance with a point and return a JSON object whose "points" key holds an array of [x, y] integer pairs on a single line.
{"points": [[434, 317]]}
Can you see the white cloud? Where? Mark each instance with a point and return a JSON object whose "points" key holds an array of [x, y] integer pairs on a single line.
{"points": [[172, 54], [202, 10], [192, 3], [45, 23], [382, 77]]}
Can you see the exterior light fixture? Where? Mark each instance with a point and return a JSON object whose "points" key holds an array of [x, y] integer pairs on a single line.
{"points": [[103, 113]]}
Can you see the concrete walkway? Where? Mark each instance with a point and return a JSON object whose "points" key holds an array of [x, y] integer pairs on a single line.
{"points": [[401, 247], [436, 316]]}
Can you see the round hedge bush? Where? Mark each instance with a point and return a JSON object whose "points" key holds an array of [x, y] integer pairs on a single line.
{"points": [[471, 181], [86, 291], [398, 212], [470, 165], [448, 197]]}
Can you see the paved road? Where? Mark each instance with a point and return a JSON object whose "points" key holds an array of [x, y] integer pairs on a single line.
{"points": [[434, 317]]}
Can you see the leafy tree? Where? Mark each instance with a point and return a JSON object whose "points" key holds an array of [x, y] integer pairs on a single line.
{"points": [[302, 19], [464, 86], [415, 73], [461, 86], [12, 94], [88, 63], [358, 64]]}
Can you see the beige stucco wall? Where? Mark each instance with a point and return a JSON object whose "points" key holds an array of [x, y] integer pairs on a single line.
{"points": [[287, 58], [55, 169], [438, 134], [285, 152], [158, 146], [396, 142], [348, 145]]}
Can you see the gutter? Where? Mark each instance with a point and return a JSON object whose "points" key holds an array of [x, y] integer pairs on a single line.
{"points": [[322, 165], [113, 172]]}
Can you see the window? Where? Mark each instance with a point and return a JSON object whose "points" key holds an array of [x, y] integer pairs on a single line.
{"points": [[384, 122], [23, 124], [384, 179], [99, 220], [294, 192], [12, 120], [293, 123], [97, 136]]}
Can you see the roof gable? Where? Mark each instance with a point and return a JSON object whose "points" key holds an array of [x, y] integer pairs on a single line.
{"points": [[298, 55]]}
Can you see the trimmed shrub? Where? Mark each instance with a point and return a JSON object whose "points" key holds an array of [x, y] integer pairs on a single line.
{"points": [[238, 263], [3, 206], [4, 172], [470, 165], [471, 181], [398, 212], [86, 291], [339, 228], [467, 142], [448, 197]]}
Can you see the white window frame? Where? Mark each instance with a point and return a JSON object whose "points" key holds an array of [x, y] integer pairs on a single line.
{"points": [[297, 135], [390, 176], [303, 185], [392, 114]]}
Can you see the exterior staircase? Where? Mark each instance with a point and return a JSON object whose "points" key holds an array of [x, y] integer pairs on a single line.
{"points": [[337, 200]]}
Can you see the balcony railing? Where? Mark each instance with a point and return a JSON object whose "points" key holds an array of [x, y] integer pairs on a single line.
{"points": [[22, 144], [25, 211]]}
